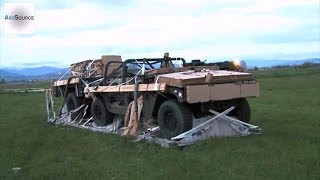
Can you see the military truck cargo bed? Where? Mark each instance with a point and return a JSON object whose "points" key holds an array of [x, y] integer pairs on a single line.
{"points": [[211, 85], [182, 79]]}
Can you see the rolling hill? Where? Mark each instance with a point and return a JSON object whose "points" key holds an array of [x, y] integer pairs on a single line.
{"points": [[43, 73]]}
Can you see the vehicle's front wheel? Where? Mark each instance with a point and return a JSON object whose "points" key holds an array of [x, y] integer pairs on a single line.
{"points": [[243, 111], [101, 116], [73, 102], [174, 118]]}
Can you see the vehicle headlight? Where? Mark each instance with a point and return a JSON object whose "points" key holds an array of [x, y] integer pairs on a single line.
{"points": [[236, 62]]}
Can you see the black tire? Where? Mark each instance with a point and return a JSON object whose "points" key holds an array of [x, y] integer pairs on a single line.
{"points": [[73, 102], [101, 116], [174, 118], [243, 111]]}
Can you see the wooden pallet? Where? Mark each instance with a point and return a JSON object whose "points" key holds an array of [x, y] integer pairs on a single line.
{"points": [[182, 79], [129, 88]]}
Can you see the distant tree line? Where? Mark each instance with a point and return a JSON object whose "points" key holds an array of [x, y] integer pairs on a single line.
{"points": [[304, 65], [3, 81]]}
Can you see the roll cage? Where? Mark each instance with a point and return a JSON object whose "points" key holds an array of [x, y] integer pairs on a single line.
{"points": [[131, 67]]}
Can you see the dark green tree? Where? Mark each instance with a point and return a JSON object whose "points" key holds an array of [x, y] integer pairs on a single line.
{"points": [[3, 81]]}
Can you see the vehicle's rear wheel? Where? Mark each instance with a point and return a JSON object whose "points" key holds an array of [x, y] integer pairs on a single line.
{"points": [[174, 118], [73, 102], [242, 111], [101, 116]]}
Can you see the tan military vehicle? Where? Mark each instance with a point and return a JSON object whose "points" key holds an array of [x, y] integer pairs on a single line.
{"points": [[167, 90]]}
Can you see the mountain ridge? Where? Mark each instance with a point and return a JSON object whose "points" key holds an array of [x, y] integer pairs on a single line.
{"points": [[43, 73], [42, 70], [49, 72]]}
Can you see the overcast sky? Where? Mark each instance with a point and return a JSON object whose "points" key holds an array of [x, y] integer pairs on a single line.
{"points": [[68, 31]]}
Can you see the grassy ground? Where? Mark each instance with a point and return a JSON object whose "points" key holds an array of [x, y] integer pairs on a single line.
{"points": [[287, 110], [25, 86]]}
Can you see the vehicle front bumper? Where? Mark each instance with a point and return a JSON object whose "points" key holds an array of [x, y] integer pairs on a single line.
{"points": [[219, 92]]}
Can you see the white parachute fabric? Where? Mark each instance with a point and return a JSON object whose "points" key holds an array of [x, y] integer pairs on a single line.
{"points": [[218, 125], [221, 127]]}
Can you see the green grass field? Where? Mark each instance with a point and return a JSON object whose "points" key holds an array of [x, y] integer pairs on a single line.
{"points": [[288, 110], [24, 86]]}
